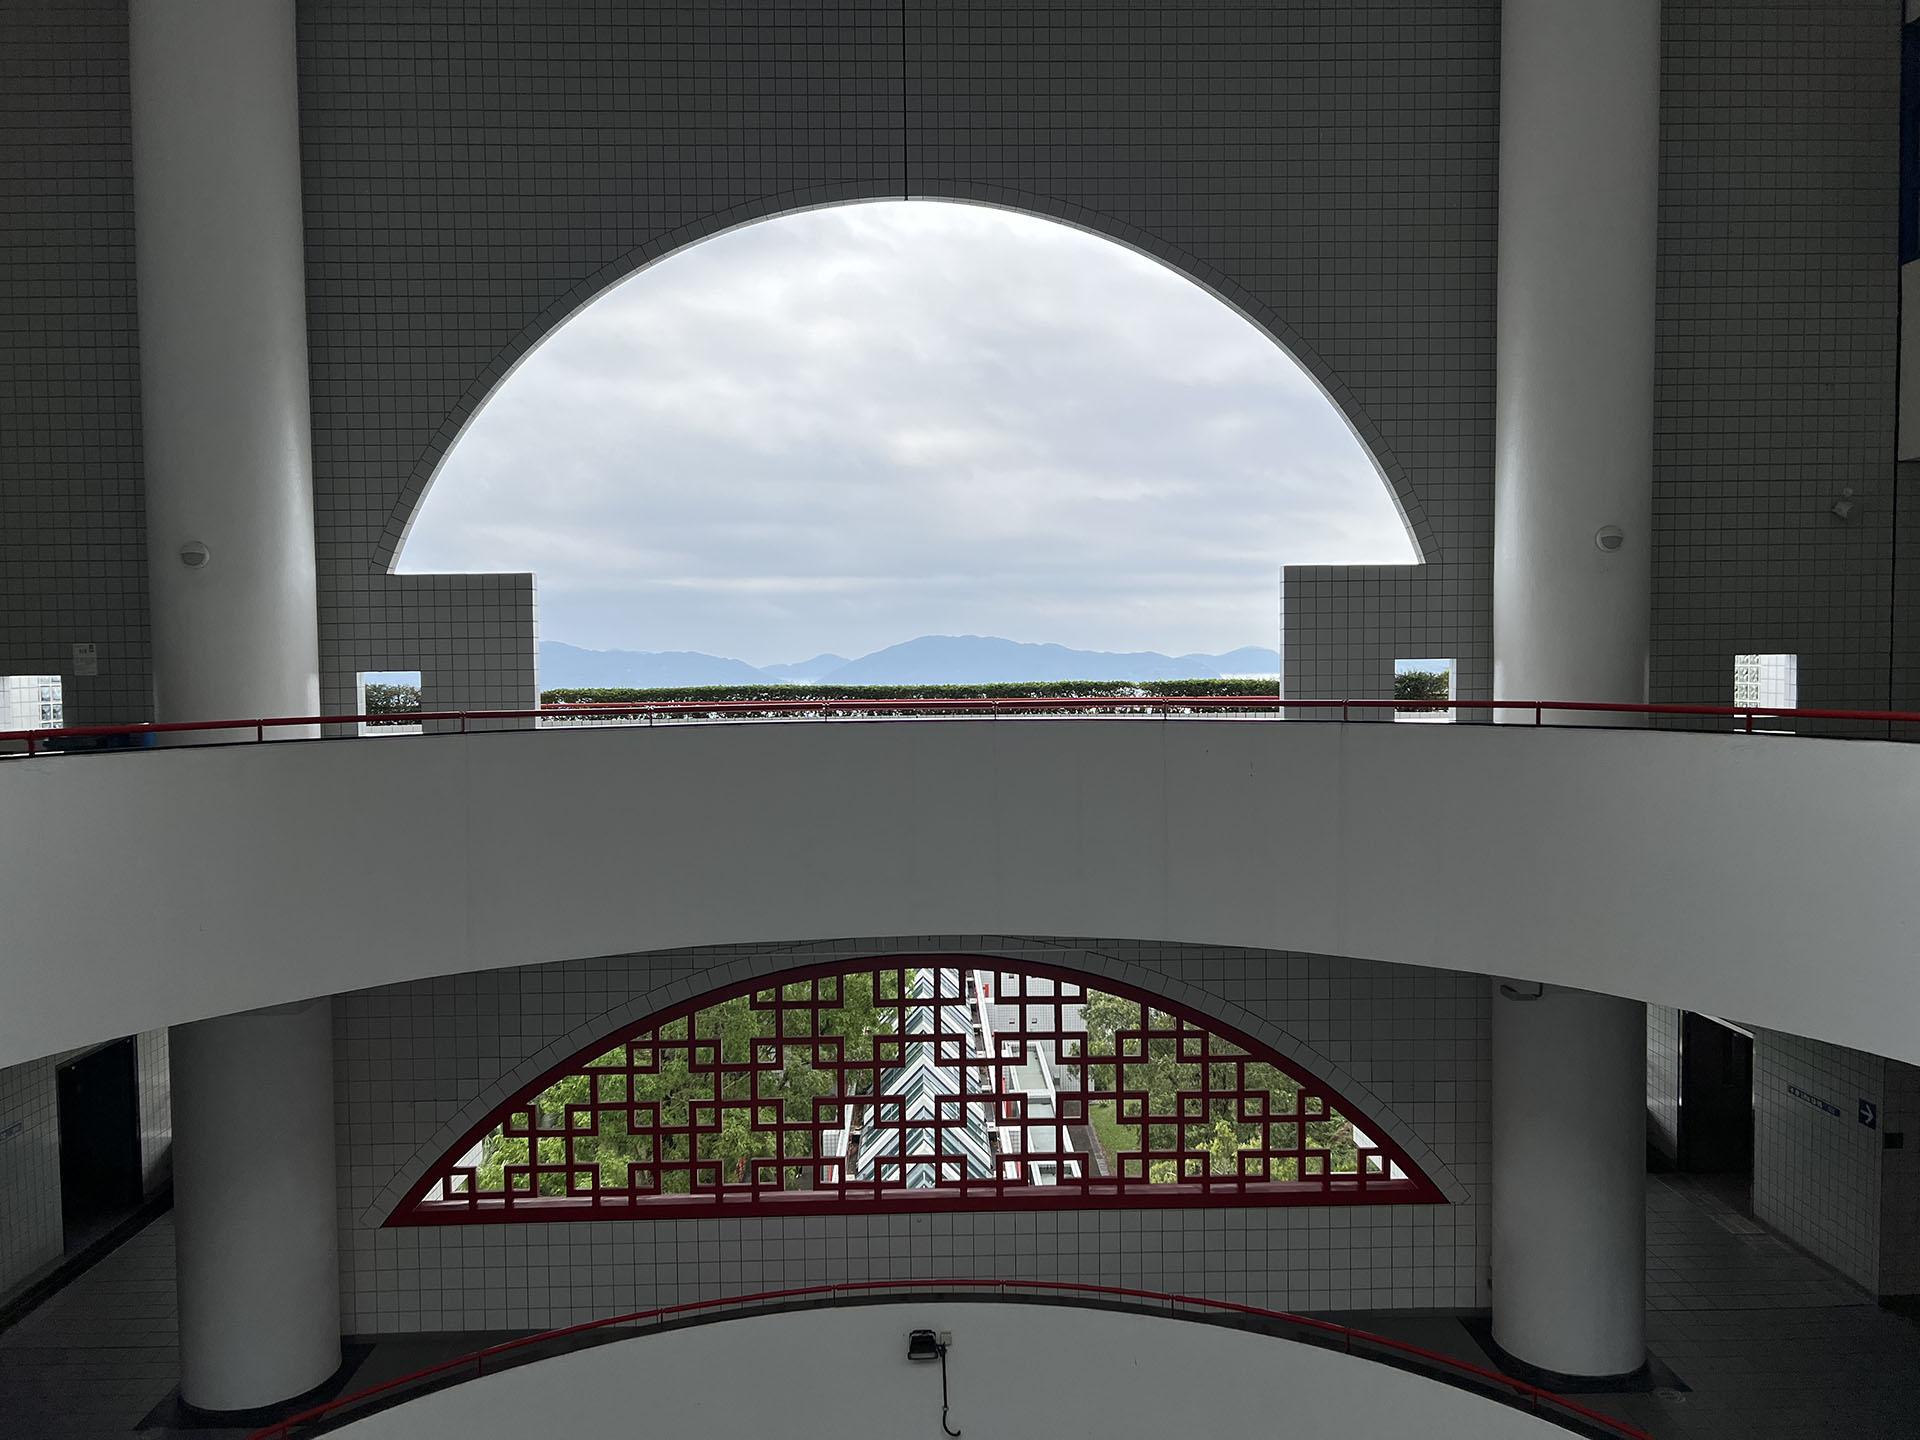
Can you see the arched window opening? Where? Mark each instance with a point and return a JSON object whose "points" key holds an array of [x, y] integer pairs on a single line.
{"points": [[785, 449], [922, 1083]]}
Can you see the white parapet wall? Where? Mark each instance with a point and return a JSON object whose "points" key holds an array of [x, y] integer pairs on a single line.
{"points": [[1013, 1371], [1766, 877]]}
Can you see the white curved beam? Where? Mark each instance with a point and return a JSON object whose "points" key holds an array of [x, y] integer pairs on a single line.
{"points": [[1762, 877], [1014, 1369]]}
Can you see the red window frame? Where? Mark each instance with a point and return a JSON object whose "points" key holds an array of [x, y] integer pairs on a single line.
{"points": [[1385, 1173]]}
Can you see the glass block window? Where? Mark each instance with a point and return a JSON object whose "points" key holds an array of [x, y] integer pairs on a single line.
{"points": [[942, 1082], [1769, 681], [30, 702]]}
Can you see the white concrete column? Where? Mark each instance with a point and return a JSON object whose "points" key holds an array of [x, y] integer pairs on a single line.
{"points": [[1573, 417], [1572, 591], [254, 1206], [227, 450], [1569, 1181], [219, 258]]}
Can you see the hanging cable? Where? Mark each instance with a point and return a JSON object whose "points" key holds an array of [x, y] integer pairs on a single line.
{"points": [[928, 1345], [943, 1393]]}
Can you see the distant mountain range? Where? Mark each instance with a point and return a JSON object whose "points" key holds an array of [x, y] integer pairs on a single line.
{"points": [[566, 667], [929, 660], [807, 672]]}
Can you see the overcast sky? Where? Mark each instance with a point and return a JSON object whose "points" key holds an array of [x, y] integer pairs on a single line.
{"points": [[839, 430]]}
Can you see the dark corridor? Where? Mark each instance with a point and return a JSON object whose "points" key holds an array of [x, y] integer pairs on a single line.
{"points": [[1716, 1098], [99, 1141]]}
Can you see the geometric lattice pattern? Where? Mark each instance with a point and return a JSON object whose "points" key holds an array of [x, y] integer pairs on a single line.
{"points": [[929, 1082]]}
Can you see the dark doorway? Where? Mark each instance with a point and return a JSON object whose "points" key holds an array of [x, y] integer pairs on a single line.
{"points": [[99, 1141], [1716, 1098]]}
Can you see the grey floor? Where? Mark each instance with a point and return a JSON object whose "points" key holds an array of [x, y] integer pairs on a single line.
{"points": [[1771, 1344]]}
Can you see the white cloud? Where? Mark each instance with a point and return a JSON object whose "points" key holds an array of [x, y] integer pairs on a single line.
{"points": [[841, 429]]}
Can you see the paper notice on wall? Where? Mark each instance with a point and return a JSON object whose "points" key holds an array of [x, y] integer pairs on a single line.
{"points": [[86, 658]]}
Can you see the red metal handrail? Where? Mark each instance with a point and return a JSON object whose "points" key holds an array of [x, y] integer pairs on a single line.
{"points": [[1542, 1402], [1163, 705]]}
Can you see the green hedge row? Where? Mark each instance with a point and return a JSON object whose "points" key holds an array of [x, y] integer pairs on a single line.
{"points": [[800, 694]]}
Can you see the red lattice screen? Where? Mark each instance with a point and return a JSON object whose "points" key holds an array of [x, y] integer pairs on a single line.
{"points": [[936, 1082]]}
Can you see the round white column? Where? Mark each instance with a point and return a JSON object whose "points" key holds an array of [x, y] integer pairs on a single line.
{"points": [[227, 450], [1569, 1181], [254, 1206], [220, 262], [1574, 340], [1573, 468]]}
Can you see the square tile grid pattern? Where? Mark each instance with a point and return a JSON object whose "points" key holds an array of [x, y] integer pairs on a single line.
{"points": [[31, 1233], [473, 174], [418, 1064], [1663, 1080], [1816, 1173], [1771, 1344], [1900, 1181]]}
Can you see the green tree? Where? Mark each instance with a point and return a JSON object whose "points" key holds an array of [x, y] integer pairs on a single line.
{"points": [[395, 700], [1103, 1015], [1422, 685], [729, 1036], [1163, 1107], [1179, 1114]]}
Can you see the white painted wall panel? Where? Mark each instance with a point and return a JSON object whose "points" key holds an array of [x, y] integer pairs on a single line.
{"points": [[1690, 870], [1014, 1370]]}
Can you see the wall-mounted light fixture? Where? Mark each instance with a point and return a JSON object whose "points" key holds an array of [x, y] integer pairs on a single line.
{"points": [[193, 554], [1609, 538], [932, 1345]]}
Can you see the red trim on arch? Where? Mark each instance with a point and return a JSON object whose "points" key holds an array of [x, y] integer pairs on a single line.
{"points": [[914, 1083]]}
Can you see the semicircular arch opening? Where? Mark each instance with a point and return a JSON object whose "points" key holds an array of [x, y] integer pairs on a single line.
{"points": [[1220, 287], [913, 1083]]}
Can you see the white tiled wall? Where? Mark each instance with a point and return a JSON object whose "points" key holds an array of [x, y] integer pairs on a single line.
{"points": [[73, 552], [1816, 1176], [30, 1227], [1779, 209], [1663, 1081], [29, 1173], [433, 266], [1900, 1182], [156, 1111], [422, 297], [417, 1064]]}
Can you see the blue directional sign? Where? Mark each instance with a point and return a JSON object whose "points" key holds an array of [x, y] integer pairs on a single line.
{"points": [[1814, 1100]]}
